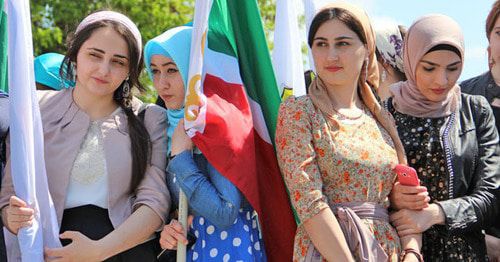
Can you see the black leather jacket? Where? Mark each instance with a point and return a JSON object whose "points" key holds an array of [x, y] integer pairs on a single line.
{"points": [[472, 151], [485, 85]]}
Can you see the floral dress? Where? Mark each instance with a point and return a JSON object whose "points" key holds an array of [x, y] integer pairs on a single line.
{"points": [[351, 163], [421, 139]]}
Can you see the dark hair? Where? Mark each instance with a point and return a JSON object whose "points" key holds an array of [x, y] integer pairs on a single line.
{"points": [[343, 16], [492, 18], [139, 136], [445, 47]]}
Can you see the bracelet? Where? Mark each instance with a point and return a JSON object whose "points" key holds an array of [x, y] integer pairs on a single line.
{"points": [[412, 251]]}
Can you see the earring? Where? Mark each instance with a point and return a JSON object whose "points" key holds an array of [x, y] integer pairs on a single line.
{"points": [[366, 68], [383, 76], [126, 88], [73, 72]]}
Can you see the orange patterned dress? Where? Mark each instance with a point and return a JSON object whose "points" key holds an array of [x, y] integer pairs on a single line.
{"points": [[352, 163]]}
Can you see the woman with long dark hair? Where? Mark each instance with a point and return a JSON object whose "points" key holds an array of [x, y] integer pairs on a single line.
{"points": [[105, 166]]}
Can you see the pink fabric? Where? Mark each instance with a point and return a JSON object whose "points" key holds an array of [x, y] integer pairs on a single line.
{"points": [[358, 236], [424, 34], [113, 16]]}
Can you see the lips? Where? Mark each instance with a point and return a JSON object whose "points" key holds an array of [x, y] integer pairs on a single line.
{"points": [[100, 80], [438, 91], [333, 69], [166, 97]]}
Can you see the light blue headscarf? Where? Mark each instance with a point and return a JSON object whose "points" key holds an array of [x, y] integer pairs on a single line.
{"points": [[47, 71], [175, 44]]}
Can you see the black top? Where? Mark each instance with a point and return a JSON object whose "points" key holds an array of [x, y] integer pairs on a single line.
{"points": [[484, 85], [422, 143], [4, 127], [469, 143]]}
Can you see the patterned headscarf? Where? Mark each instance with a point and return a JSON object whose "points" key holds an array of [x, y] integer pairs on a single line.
{"points": [[390, 45]]}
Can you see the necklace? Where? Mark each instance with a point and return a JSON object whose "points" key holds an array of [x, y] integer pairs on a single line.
{"points": [[345, 117]]}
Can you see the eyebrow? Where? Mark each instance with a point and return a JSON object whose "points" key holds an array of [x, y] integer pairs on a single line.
{"points": [[434, 64], [165, 64], [336, 39], [102, 52]]}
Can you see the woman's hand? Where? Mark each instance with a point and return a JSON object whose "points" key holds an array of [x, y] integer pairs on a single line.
{"points": [[408, 222], [493, 248], [17, 215], [81, 248], [172, 233], [409, 197], [180, 140]]}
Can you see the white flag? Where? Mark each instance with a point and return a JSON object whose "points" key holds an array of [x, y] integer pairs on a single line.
{"points": [[287, 54], [26, 140]]}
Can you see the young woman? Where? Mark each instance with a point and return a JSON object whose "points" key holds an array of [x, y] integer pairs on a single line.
{"points": [[451, 140], [336, 147], [389, 56], [105, 167], [224, 223]]}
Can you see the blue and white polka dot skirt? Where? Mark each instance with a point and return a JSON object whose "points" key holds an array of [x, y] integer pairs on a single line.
{"points": [[240, 242]]}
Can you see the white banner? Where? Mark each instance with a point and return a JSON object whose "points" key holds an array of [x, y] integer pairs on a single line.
{"points": [[26, 140], [287, 53]]}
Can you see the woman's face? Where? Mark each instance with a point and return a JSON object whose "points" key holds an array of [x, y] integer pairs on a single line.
{"points": [[167, 81], [494, 47], [338, 53], [102, 63], [436, 74]]}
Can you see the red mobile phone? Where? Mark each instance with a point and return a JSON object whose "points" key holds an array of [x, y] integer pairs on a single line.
{"points": [[407, 176]]}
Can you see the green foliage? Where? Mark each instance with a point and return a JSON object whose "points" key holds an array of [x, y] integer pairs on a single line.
{"points": [[54, 20]]}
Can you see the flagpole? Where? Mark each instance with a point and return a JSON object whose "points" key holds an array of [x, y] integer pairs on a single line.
{"points": [[183, 213]]}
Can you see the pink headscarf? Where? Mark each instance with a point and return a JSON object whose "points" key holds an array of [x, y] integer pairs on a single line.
{"points": [[426, 33], [116, 17]]}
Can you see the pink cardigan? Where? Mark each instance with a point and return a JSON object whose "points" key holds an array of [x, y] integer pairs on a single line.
{"points": [[65, 126]]}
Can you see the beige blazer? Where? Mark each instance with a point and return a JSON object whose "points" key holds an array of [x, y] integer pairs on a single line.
{"points": [[65, 127]]}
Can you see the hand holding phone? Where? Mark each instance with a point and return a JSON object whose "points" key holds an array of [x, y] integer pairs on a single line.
{"points": [[407, 176]]}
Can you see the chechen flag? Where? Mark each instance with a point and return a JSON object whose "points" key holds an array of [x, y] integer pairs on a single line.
{"points": [[232, 105]]}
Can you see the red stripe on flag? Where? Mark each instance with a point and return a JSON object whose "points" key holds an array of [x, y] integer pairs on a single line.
{"points": [[232, 145]]}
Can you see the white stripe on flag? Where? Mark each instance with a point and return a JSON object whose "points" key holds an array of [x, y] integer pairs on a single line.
{"points": [[26, 138], [259, 123], [226, 67], [195, 102]]}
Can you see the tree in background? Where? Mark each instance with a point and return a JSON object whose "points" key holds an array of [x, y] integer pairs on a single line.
{"points": [[53, 20]]}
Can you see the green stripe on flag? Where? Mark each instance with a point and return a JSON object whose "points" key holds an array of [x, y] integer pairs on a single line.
{"points": [[4, 86], [220, 37], [245, 37]]}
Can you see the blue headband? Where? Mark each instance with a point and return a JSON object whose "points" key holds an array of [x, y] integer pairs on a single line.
{"points": [[47, 68]]}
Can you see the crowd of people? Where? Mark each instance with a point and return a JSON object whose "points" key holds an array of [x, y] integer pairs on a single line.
{"points": [[379, 97]]}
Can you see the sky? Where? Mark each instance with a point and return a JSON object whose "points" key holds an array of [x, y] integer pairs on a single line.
{"points": [[470, 15]]}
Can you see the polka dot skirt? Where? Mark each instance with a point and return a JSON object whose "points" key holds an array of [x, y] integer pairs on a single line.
{"points": [[241, 242]]}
